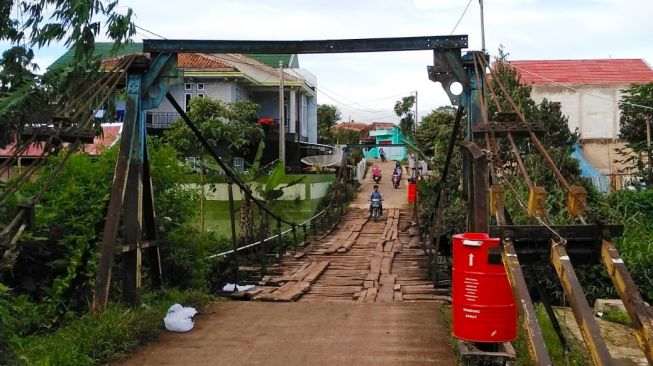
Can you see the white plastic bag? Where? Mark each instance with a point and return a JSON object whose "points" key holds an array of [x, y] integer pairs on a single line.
{"points": [[180, 319], [229, 287]]}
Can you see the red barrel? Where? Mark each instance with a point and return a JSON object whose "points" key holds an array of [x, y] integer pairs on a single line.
{"points": [[482, 303], [412, 191]]}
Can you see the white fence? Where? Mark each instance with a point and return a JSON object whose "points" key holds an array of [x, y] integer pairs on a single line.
{"points": [[360, 170]]}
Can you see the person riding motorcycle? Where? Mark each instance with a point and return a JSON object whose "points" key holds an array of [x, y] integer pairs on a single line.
{"points": [[396, 177], [376, 173], [398, 168], [376, 195]]}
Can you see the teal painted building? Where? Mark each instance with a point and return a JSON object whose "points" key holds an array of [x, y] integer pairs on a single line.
{"points": [[387, 136]]}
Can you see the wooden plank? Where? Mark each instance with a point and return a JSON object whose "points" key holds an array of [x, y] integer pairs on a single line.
{"points": [[315, 271], [386, 288], [582, 313], [361, 296], [386, 263], [419, 289], [432, 297], [288, 292], [641, 316], [298, 274], [370, 295], [532, 331], [261, 295]]}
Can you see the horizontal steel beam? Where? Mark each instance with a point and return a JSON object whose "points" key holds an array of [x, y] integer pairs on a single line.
{"points": [[313, 46]]}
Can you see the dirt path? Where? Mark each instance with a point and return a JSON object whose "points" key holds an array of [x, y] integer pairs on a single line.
{"points": [[359, 295], [392, 198]]}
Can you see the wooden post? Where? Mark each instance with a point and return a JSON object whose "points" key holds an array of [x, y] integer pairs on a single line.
{"points": [[232, 219], [282, 117]]}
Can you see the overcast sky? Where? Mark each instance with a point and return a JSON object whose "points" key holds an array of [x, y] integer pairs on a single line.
{"points": [[365, 86]]}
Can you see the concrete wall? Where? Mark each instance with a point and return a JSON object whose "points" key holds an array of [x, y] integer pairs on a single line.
{"points": [[596, 116], [225, 91], [312, 120], [302, 191]]}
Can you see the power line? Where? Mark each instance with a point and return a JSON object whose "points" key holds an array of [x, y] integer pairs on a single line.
{"points": [[574, 89], [150, 32], [461, 17]]}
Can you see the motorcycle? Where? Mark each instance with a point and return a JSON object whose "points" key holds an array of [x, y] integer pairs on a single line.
{"points": [[377, 178], [396, 180], [376, 209]]}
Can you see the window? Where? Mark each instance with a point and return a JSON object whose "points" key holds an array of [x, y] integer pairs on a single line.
{"points": [[200, 95], [200, 86], [188, 86], [187, 97]]}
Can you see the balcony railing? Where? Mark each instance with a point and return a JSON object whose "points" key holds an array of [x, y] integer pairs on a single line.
{"points": [[160, 120]]}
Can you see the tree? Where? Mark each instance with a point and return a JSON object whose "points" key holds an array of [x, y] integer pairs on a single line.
{"points": [[341, 135], [75, 24], [231, 128], [327, 116], [557, 138], [433, 133], [632, 127], [404, 110]]}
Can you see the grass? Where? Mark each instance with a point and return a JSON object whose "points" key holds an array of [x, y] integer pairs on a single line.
{"points": [[217, 213], [574, 357], [98, 339], [617, 316]]}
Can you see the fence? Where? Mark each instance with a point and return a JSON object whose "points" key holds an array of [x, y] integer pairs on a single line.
{"points": [[360, 170]]}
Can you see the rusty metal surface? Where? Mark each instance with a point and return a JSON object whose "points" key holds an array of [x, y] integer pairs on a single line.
{"points": [[504, 128], [478, 199], [532, 331], [641, 315], [582, 312]]}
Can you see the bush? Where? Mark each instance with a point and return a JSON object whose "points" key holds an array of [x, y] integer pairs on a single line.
{"points": [[97, 339]]}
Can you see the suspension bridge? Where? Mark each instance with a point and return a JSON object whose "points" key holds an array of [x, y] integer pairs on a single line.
{"points": [[360, 291]]}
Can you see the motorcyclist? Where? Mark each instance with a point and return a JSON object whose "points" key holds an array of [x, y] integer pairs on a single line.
{"points": [[398, 168], [376, 195], [395, 176], [376, 172]]}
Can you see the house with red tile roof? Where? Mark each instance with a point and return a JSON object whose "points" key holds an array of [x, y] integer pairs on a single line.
{"points": [[232, 77], [588, 92], [110, 135]]}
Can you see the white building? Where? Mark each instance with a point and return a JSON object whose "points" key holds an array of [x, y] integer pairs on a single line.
{"points": [[588, 92]]}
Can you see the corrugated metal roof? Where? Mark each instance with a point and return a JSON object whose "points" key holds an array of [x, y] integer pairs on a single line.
{"points": [[600, 71], [272, 60], [102, 49]]}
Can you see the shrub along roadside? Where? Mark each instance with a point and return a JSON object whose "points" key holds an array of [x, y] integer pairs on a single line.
{"points": [[97, 339]]}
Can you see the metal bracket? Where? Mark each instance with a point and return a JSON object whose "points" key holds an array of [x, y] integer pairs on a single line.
{"points": [[447, 69], [157, 80]]}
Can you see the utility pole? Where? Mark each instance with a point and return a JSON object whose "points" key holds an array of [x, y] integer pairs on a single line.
{"points": [[282, 117], [416, 119], [482, 27], [648, 152]]}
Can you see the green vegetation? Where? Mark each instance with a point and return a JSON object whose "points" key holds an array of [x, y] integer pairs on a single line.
{"points": [[404, 110], [327, 116], [617, 316], [575, 356], [632, 122], [97, 339]]}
